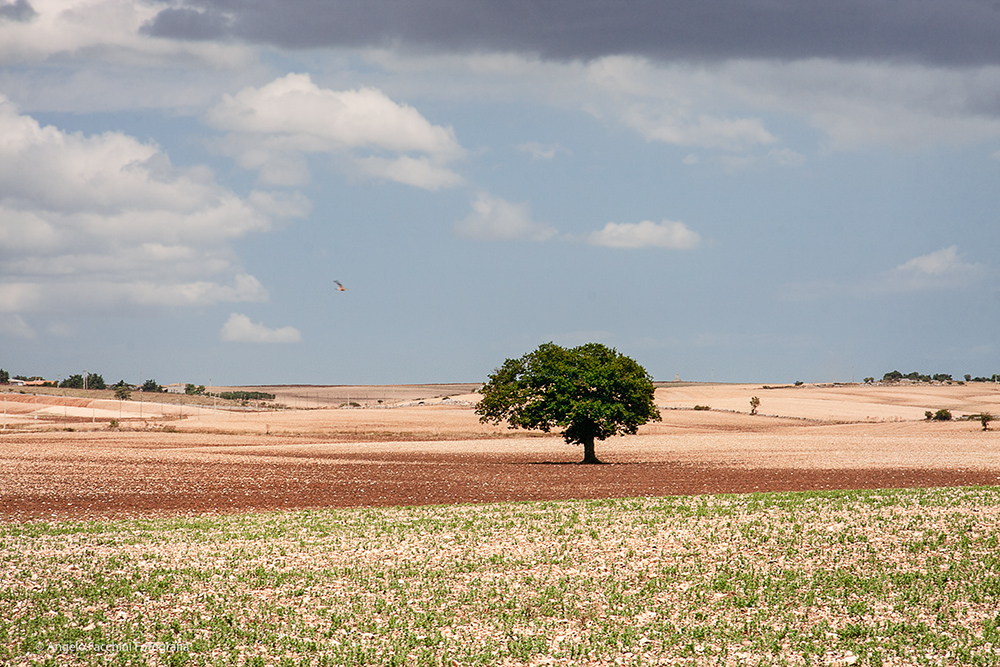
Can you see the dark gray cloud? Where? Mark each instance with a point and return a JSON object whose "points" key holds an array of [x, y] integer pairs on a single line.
{"points": [[188, 23], [948, 32], [19, 10]]}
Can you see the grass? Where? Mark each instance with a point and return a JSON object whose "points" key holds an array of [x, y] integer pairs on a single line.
{"points": [[908, 577]]}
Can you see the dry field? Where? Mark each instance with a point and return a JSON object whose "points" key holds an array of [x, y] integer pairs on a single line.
{"points": [[192, 572], [63, 457]]}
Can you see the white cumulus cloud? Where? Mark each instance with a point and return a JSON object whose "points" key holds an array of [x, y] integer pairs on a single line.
{"points": [[107, 221], [645, 234], [940, 269], [278, 123], [496, 219], [108, 30], [240, 329]]}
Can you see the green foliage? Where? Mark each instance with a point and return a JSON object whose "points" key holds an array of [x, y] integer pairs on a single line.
{"points": [[702, 407], [4, 376], [246, 396], [985, 418], [591, 392], [754, 404], [194, 390], [92, 381], [942, 415], [123, 392], [151, 386], [895, 376]]}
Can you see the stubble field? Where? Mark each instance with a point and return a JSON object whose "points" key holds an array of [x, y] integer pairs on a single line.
{"points": [[400, 538]]}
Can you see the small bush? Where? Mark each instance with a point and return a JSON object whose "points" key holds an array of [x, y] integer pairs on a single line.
{"points": [[942, 415], [985, 418], [702, 407]]}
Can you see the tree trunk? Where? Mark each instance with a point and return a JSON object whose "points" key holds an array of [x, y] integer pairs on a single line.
{"points": [[588, 452]]}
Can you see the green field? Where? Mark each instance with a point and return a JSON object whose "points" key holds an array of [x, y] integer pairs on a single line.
{"points": [[906, 577]]}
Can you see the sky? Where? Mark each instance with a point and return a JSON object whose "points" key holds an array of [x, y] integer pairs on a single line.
{"points": [[729, 191]]}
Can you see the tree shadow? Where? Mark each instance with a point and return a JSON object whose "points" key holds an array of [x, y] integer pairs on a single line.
{"points": [[573, 463]]}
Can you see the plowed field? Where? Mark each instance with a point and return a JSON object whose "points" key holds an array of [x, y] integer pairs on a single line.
{"points": [[61, 458]]}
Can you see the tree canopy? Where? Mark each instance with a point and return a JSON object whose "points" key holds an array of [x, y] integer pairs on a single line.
{"points": [[591, 392]]}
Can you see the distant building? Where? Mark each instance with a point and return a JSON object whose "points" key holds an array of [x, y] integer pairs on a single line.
{"points": [[176, 388]]}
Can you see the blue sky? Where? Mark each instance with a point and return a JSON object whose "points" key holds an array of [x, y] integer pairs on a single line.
{"points": [[724, 191]]}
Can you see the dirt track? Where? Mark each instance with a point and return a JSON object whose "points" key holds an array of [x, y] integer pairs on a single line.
{"points": [[440, 454]]}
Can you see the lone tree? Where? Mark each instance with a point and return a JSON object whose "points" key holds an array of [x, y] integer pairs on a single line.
{"points": [[591, 392]]}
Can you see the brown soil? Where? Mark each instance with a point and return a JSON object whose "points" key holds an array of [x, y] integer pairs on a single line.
{"points": [[428, 454]]}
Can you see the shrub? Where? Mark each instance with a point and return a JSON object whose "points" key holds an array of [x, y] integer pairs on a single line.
{"points": [[245, 396], [702, 407], [73, 382], [985, 418], [151, 386], [754, 404], [942, 415]]}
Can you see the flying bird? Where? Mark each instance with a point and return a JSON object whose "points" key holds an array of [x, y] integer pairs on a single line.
{"points": [[340, 288]]}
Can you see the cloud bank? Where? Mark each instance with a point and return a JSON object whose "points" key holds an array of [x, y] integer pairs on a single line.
{"points": [[953, 33], [106, 221]]}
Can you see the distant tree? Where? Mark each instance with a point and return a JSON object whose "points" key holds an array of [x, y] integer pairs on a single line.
{"points": [[591, 392], [942, 415], [942, 377], [4, 376], [985, 418], [194, 390], [246, 396], [151, 386], [968, 378], [73, 382], [123, 392], [869, 380], [754, 404], [95, 381]]}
